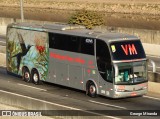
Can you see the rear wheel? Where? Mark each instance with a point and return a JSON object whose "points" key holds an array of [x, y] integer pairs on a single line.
{"points": [[35, 77], [92, 91], [26, 75]]}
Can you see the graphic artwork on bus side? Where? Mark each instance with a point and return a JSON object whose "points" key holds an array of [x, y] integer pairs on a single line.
{"points": [[129, 49], [27, 48], [24, 50]]}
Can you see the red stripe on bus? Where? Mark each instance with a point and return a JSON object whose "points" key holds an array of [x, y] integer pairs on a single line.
{"points": [[67, 58]]}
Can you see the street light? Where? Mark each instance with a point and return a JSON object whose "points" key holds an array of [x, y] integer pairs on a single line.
{"points": [[22, 15]]}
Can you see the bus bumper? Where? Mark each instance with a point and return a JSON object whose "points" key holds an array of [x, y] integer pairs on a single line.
{"points": [[129, 94]]}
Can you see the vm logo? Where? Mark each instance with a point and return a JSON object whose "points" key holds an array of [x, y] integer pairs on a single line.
{"points": [[129, 49]]}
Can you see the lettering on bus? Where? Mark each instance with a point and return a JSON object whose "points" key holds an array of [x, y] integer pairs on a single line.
{"points": [[129, 49], [89, 41], [91, 64], [67, 58]]}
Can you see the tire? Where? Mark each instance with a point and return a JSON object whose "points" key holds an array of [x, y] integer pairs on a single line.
{"points": [[35, 77], [92, 91], [26, 76]]}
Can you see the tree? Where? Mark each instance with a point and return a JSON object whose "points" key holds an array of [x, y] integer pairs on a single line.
{"points": [[89, 19]]}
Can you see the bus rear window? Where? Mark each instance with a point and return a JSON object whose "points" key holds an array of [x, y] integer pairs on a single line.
{"points": [[127, 50]]}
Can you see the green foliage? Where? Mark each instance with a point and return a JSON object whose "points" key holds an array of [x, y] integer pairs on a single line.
{"points": [[12, 66], [89, 19]]}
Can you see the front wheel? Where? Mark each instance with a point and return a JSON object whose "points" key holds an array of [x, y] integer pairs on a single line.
{"points": [[35, 77], [92, 91]]}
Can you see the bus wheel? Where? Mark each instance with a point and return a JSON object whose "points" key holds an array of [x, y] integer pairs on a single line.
{"points": [[26, 75], [92, 91], [35, 77]]}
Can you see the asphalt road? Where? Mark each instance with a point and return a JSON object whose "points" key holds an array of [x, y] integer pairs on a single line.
{"points": [[72, 99]]}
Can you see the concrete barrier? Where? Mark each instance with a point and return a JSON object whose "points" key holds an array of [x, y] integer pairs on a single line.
{"points": [[154, 87], [3, 29], [2, 49], [151, 49], [154, 77], [2, 59]]}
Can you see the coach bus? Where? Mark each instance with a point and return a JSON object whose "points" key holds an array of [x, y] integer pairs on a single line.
{"points": [[100, 63]]}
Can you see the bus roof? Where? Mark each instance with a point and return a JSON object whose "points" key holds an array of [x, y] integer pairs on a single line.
{"points": [[75, 30]]}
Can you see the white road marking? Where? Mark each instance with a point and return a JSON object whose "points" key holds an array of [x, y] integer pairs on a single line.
{"points": [[32, 87], [107, 104], [152, 98], [56, 104]]}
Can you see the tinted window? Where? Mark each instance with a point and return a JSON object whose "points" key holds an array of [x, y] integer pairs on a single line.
{"points": [[87, 46], [127, 50], [64, 42], [71, 43], [104, 60], [102, 51], [58, 41]]}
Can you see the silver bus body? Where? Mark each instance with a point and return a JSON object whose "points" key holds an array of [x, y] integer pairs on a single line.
{"points": [[91, 56]]}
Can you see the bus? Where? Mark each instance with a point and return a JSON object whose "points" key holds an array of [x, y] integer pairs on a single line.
{"points": [[101, 63]]}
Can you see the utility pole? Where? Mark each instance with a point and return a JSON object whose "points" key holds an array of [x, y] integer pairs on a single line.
{"points": [[22, 14]]}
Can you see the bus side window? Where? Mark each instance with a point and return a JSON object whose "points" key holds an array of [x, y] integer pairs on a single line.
{"points": [[87, 46], [64, 42], [109, 75], [103, 60], [73, 44], [102, 53], [51, 40], [58, 41]]}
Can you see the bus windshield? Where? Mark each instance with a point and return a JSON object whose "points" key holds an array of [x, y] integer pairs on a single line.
{"points": [[127, 50], [131, 73]]}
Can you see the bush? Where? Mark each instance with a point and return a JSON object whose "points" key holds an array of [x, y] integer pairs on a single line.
{"points": [[89, 19]]}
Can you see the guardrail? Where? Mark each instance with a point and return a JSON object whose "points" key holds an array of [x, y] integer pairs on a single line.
{"points": [[2, 43]]}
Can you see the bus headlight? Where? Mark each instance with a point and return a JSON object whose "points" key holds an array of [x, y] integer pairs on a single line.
{"points": [[120, 88]]}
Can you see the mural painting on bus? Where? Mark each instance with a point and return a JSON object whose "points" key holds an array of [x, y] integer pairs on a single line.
{"points": [[27, 48]]}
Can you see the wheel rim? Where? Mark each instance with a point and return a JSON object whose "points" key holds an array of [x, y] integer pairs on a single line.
{"points": [[92, 89], [26, 75], [35, 77]]}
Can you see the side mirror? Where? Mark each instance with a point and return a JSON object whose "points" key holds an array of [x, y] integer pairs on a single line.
{"points": [[116, 70], [153, 65]]}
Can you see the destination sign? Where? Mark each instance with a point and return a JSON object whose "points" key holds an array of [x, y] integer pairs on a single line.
{"points": [[127, 50]]}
